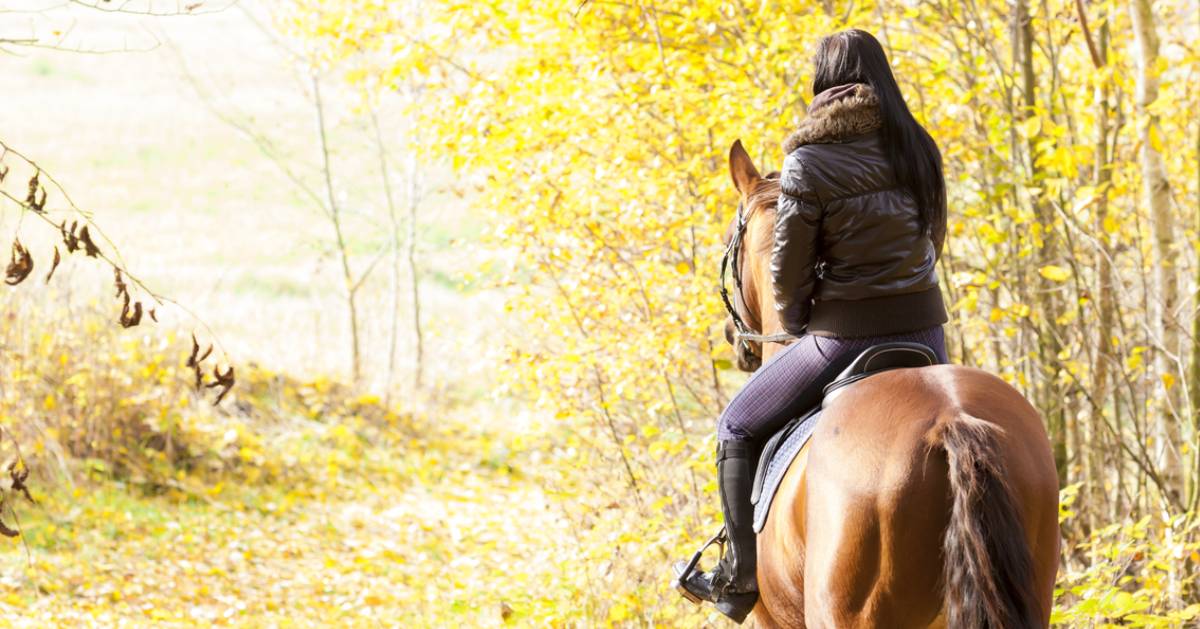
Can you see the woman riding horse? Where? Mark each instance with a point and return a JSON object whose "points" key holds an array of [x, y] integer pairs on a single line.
{"points": [[858, 229]]}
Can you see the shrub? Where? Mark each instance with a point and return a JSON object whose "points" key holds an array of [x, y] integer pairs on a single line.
{"points": [[1135, 574], [85, 397]]}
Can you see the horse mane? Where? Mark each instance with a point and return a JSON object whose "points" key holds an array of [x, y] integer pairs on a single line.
{"points": [[764, 199]]}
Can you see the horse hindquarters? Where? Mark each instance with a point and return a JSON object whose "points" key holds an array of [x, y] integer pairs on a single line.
{"points": [[878, 504], [919, 513]]}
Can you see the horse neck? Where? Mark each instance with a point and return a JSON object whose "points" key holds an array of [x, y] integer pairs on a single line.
{"points": [[760, 299]]}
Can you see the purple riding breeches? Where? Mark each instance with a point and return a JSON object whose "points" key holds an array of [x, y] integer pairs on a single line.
{"points": [[790, 382]]}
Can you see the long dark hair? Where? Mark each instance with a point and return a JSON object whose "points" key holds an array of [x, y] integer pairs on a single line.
{"points": [[855, 56]]}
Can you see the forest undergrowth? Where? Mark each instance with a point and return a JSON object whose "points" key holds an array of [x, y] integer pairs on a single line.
{"points": [[296, 502], [301, 502]]}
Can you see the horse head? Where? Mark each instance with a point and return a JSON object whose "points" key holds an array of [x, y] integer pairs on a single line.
{"points": [[752, 234]]}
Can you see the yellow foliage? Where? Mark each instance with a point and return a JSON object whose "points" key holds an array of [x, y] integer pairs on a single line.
{"points": [[601, 130], [1129, 574]]}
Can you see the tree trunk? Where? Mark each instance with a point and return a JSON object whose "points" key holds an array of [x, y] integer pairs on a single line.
{"points": [[1194, 373], [1157, 192], [335, 217], [394, 221], [1106, 357], [1049, 391], [414, 202]]}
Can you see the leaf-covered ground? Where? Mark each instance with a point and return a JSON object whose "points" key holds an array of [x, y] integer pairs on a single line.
{"points": [[430, 532]]}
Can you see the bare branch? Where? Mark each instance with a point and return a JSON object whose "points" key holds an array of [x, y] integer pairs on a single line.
{"points": [[112, 256], [1087, 35], [265, 145], [190, 7], [60, 37]]}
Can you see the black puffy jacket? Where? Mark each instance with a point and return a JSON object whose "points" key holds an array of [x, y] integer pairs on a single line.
{"points": [[851, 256]]}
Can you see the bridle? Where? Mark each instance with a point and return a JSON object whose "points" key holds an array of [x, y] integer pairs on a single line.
{"points": [[743, 334]]}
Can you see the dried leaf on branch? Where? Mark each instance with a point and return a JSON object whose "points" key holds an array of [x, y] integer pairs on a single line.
{"points": [[130, 317], [33, 200], [53, 265], [196, 359], [193, 362], [18, 474], [119, 284], [69, 238], [20, 266], [89, 247], [223, 380]]}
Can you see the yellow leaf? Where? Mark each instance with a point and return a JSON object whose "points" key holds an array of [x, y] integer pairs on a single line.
{"points": [[1055, 273], [618, 613], [1032, 126], [1134, 362], [1155, 138]]}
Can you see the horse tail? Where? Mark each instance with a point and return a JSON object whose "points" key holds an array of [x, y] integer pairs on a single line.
{"points": [[988, 566]]}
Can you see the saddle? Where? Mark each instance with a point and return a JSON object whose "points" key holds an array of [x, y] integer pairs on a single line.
{"points": [[781, 449]]}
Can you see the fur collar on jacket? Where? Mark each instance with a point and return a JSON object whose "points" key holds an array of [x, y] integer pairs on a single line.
{"points": [[836, 115]]}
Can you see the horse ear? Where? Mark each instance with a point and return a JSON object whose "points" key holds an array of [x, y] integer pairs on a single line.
{"points": [[742, 169]]}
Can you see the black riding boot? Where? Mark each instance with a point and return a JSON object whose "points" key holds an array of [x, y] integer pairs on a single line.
{"points": [[733, 584]]}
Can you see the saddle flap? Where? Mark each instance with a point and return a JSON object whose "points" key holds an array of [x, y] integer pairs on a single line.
{"points": [[777, 457], [768, 453]]}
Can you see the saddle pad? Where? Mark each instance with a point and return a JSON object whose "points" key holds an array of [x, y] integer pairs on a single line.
{"points": [[777, 457]]}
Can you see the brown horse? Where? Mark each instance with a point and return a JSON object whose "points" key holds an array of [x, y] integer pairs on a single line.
{"points": [[926, 497]]}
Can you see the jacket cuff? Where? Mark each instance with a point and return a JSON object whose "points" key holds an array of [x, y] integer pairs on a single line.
{"points": [[793, 318]]}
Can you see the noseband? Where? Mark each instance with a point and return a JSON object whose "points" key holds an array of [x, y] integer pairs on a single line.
{"points": [[743, 334]]}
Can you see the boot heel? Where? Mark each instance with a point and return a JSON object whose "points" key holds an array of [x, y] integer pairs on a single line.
{"points": [[737, 605]]}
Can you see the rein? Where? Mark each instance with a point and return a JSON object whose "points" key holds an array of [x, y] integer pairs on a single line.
{"points": [[742, 332]]}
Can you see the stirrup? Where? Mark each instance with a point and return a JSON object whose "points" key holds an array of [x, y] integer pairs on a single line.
{"points": [[719, 539]]}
